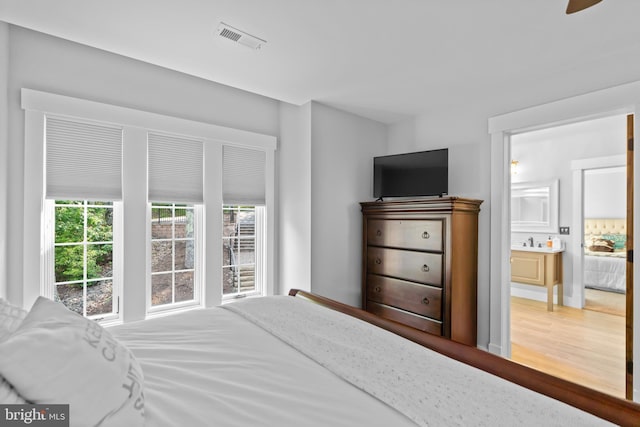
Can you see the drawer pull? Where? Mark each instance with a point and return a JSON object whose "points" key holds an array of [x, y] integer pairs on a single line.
{"points": [[378, 261], [425, 268], [377, 289], [379, 233], [425, 235], [425, 301]]}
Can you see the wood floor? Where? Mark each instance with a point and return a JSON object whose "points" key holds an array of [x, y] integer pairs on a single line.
{"points": [[583, 346], [606, 302]]}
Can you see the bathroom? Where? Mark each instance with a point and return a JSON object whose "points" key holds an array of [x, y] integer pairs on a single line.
{"points": [[547, 165]]}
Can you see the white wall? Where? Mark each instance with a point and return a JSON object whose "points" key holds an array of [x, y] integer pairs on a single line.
{"points": [[293, 169], [50, 64], [605, 193], [342, 149], [402, 137], [4, 158]]}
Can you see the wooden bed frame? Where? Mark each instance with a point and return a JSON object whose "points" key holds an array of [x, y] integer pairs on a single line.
{"points": [[610, 408]]}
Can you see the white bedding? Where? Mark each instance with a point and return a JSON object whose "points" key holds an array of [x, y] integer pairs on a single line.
{"points": [[213, 368], [221, 367], [605, 271]]}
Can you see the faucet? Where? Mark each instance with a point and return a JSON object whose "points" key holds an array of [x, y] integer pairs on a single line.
{"points": [[530, 239]]}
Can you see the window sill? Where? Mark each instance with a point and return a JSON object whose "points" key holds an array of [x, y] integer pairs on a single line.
{"points": [[168, 311], [232, 299]]}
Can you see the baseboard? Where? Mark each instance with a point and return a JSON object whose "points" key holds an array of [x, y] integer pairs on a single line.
{"points": [[495, 349], [540, 294]]}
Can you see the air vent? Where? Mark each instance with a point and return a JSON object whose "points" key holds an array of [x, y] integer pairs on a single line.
{"points": [[239, 36]]}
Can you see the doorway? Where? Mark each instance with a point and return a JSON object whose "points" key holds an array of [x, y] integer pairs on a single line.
{"points": [[605, 233], [621, 99], [561, 338]]}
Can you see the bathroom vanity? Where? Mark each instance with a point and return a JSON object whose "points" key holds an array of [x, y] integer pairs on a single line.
{"points": [[539, 266]]}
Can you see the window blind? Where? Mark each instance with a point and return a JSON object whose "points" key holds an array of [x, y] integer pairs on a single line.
{"points": [[83, 160], [175, 169], [243, 179]]}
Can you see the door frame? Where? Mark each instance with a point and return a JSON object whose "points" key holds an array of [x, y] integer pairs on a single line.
{"points": [[623, 99], [630, 246], [578, 167]]}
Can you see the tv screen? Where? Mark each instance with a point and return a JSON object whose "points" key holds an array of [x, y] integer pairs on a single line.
{"points": [[424, 173]]}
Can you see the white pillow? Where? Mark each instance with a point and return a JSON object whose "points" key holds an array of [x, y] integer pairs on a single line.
{"points": [[58, 356], [10, 318]]}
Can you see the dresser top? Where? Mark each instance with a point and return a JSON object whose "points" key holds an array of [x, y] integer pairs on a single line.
{"points": [[432, 204]]}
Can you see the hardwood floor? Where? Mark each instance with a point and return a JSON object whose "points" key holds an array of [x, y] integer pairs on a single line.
{"points": [[583, 346], [607, 302]]}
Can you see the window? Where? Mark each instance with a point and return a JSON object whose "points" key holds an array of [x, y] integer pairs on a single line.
{"points": [[174, 254], [175, 188], [148, 170], [243, 227], [83, 164], [83, 256], [242, 250]]}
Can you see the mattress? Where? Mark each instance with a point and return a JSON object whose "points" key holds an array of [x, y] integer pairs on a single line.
{"points": [[605, 271], [282, 361]]}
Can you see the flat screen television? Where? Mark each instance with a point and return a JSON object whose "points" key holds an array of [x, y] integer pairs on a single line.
{"points": [[424, 173]]}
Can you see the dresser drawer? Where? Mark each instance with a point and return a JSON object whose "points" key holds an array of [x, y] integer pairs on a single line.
{"points": [[420, 267], [423, 235], [420, 299], [406, 318]]}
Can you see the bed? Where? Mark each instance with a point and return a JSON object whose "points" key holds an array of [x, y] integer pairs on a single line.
{"points": [[605, 254], [297, 360]]}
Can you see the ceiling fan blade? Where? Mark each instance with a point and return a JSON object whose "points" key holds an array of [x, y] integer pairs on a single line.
{"points": [[578, 5]]}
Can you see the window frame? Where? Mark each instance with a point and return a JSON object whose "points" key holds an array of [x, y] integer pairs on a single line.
{"points": [[259, 257], [48, 286], [198, 273]]}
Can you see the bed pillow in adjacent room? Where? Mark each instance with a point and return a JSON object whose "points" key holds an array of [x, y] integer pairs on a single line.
{"points": [[58, 356], [619, 240], [601, 245]]}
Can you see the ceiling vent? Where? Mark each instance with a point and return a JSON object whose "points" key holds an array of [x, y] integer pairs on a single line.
{"points": [[238, 36]]}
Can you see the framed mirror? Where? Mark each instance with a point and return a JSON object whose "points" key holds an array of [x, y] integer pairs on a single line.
{"points": [[534, 206]]}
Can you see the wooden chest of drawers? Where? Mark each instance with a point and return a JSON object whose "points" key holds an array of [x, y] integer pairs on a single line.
{"points": [[419, 264]]}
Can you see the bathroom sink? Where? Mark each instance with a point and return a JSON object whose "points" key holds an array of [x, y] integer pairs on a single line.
{"points": [[535, 249]]}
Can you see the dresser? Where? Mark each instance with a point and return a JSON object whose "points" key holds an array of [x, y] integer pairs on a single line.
{"points": [[419, 264]]}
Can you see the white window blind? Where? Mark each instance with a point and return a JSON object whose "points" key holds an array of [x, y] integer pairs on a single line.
{"points": [[83, 160], [175, 169], [243, 176]]}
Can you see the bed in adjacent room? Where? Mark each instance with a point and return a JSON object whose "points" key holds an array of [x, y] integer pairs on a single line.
{"points": [[605, 254], [298, 360]]}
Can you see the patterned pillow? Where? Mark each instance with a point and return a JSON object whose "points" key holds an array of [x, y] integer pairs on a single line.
{"points": [[619, 240], [58, 356], [10, 318]]}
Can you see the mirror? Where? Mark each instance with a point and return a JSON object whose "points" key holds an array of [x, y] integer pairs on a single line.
{"points": [[534, 206]]}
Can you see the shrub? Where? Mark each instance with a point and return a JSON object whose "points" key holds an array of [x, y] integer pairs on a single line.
{"points": [[69, 228]]}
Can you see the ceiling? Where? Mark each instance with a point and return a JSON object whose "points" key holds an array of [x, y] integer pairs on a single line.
{"points": [[382, 59]]}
